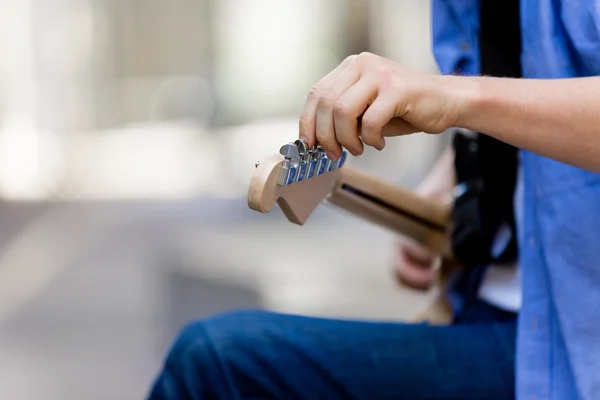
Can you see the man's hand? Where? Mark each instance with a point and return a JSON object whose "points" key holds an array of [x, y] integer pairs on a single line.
{"points": [[367, 98], [414, 265]]}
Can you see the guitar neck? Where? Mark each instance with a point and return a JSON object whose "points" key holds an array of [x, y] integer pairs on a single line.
{"points": [[400, 210]]}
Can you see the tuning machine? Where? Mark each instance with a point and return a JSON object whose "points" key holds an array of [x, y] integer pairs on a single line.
{"points": [[324, 164], [304, 159], [302, 162], [289, 167]]}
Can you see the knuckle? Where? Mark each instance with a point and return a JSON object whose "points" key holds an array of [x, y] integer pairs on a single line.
{"points": [[326, 102], [373, 61], [364, 59], [385, 73], [388, 79], [350, 58], [342, 109], [369, 125], [314, 92]]}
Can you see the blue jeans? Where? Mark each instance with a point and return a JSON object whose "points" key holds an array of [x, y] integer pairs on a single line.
{"points": [[265, 355]]}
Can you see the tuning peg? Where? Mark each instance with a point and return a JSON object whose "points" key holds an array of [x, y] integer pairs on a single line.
{"points": [[301, 162], [297, 163], [302, 146], [291, 155], [290, 151], [323, 162], [306, 166], [312, 162]]}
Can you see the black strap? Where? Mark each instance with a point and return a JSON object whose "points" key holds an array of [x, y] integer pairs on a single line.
{"points": [[486, 168]]}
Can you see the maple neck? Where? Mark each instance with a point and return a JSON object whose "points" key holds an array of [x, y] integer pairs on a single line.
{"points": [[424, 220]]}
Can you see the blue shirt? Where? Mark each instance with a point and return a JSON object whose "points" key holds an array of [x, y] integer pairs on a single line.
{"points": [[558, 348]]}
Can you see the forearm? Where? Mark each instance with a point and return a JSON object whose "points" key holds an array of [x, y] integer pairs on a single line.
{"points": [[559, 119]]}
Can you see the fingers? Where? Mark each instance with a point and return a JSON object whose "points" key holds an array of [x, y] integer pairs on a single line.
{"points": [[396, 127], [418, 256], [420, 279], [326, 125], [308, 118], [349, 107], [356, 104], [375, 118], [416, 267]]}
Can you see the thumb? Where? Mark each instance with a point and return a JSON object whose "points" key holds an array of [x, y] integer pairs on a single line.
{"points": [[398, 127]]}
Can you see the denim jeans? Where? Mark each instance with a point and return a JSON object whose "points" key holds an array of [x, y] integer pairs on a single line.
{"points": [[266, 355]]}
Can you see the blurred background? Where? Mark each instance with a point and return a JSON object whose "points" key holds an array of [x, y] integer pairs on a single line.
{"points": [[128, 135]]}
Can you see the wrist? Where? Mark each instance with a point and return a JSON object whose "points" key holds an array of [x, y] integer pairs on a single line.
{"points": [[464, 94]]}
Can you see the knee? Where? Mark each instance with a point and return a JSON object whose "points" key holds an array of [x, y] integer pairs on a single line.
{"points": [[204, 349], [212, 341]]}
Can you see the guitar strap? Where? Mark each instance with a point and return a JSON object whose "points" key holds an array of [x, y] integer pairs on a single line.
{"points": [[486, 168]]}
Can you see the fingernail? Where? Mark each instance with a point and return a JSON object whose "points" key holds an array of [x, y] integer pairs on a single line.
{"points": [[331, 155], [303, 138]]}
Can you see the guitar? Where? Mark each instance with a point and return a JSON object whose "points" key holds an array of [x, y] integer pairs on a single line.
{"points": [[299, 179]]}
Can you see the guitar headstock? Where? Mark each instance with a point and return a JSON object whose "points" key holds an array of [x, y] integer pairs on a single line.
{"points": [[298, 179]]}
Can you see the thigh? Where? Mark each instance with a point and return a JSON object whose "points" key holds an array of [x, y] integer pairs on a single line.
{"points": [[264, 355]]}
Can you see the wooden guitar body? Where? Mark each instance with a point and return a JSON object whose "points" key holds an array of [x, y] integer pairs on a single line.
{"points": [[400, 210]]}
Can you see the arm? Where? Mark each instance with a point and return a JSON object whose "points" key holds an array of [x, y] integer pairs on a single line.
{"points": [[368, 98], [559, 119]]}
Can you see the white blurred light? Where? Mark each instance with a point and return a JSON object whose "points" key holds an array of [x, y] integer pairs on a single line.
{"points": [[269, 52], [167, 160], [30, 161], [182, 96], [66, 47]]}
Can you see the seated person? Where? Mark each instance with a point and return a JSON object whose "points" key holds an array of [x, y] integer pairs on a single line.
{"points": [[551, 115], [261, 354]]}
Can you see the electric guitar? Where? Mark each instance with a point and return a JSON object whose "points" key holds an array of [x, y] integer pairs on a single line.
{"points": [[299, 179]]}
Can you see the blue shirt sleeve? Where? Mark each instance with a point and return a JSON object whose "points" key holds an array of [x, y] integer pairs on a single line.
{"points": [[454, 29]]}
